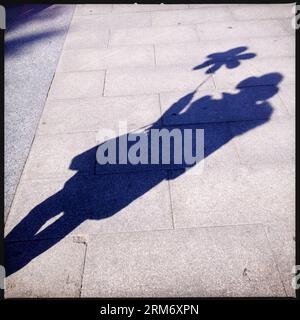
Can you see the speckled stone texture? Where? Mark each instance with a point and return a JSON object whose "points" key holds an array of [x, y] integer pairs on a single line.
{"points": [[76, 230]]}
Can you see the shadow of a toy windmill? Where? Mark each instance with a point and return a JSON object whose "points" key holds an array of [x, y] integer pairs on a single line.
{"points": [[230, 59], [100, 196]]}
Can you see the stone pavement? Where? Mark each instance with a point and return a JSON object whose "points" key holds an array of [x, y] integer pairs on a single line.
{"points": [[74, 232], [34, 37]]}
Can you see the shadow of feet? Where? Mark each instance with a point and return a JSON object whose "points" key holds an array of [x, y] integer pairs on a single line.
{"points": [[102, 195]]}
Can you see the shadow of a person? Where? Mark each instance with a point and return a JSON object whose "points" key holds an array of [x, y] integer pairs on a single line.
{"points": [[101, 196]]}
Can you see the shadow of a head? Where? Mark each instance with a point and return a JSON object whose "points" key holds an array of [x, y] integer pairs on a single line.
{"points": [[249, 103], [229, 59], [269, 79], [87, 195]]}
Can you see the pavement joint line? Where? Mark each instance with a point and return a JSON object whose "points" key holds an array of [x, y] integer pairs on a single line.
{"points": [[170, 197], [95, 235], [151, 19], [95, 164], [58, 178], [109, 36], [104, 79], [63, 177], [81, 71], [235, 147], [171, 9], [87, 70], [252, 86], [274, 259], [216, 41], [186, 42], [231, 13], [166, 125], [66, 133], [67, 32], [107, 97], [149, 66], [168, 171], [213, 80], [112, 13], [211, 21], [83, 267], [283, 24], [205, 6], [165, 66], [154, 55], [285, 105], [218, 89], [250, 19], [199, 40]]}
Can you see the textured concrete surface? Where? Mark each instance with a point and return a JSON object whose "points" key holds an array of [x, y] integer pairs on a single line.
{"points": [[50, 155], [191, 264], [77, 85], [46, 274], [33, 42], [138, 111], [97, 59], [92, 205], [227, 69], [147, 80]]}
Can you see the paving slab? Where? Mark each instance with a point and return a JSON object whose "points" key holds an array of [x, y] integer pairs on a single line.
{"points": [[48, 275], [87, 38], [265, 195], [136, 111], [288, 95], [51, 155], [111, 21], [178, 17], [33, 42], [108, 58], [282, 241], [77, 85], [288, 24], [273, 46], [206, 5], [135, 81], [121, 8], [284, 65], [179, 263], [150, 232], [193, 53], [223, 50], [90, 205], [240, 29], [153, 35], [91, 9], [262, 11], [270, 142], [233, 195]]}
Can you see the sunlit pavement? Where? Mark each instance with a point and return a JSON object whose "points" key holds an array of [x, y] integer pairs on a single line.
{"points": [[34, 37], [74, 231]]}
